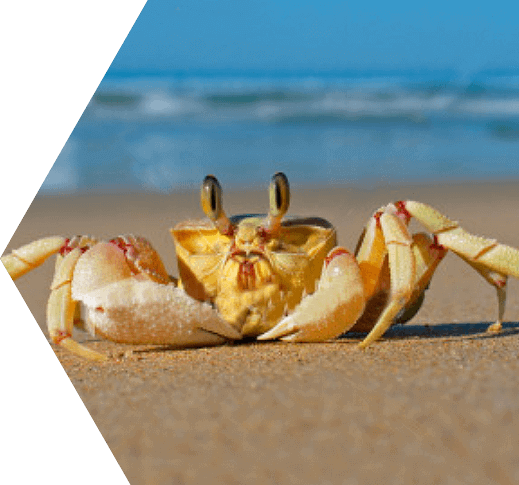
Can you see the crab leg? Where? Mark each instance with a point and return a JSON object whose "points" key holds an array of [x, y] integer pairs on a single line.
{"points": [[32, 255], [427, 256], [498, 281], [494, 261], [61, 308], [371, 253], [402, 273], [487, 252], [332, 309], [375, 271]]}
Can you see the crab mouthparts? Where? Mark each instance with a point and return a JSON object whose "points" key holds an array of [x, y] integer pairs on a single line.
{"points": [[252, 269], [246, 275]]}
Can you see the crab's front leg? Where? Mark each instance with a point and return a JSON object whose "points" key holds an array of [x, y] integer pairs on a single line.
{"points": [[61, 307], [332, 309], [387, 236]]}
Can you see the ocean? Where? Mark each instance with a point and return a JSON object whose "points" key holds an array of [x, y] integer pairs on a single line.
{"points": [[164, 132]]}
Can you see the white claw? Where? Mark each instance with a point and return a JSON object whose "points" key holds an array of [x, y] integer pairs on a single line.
{"points": [[331, 310], [283, 329], [145, 312]]}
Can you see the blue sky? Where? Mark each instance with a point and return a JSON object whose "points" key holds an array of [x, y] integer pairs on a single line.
{"points": [[300, 35]]}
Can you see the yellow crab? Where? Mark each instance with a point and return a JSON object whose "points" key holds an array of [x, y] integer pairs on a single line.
{"points": [[261, 276]]}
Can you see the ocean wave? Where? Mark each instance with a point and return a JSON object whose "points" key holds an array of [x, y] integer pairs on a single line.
{"points": [[306, 100], [162, 133]]}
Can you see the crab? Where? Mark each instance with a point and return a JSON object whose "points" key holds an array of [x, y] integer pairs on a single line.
{"points": [[255, 276]]}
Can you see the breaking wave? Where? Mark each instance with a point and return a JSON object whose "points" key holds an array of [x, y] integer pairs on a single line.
{"points": [[162, 133]]}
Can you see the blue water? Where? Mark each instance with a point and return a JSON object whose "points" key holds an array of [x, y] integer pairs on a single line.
{"points": [[165, 132]]}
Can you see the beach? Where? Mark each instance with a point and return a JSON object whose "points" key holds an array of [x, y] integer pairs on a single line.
{"points": [[435, 401]]}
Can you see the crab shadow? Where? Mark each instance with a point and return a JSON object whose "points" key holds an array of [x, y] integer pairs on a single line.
{"points": [[467, 331], [470, 331]]}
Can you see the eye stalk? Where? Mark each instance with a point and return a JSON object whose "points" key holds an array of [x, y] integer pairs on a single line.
{"points": [[211, 201], [279, 196]]}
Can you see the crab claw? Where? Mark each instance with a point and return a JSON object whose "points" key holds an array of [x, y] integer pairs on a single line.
{"points": [[145, 312], [331, 310], [128, 308]]}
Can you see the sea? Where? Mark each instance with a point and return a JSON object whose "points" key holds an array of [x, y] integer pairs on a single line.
{"points": [[161, 132]]}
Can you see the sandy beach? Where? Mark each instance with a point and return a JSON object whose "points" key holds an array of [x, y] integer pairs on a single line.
{"points": [[435, 401]]}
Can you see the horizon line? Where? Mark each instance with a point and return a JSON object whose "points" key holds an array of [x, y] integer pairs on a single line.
{"points": [[345, 73]]}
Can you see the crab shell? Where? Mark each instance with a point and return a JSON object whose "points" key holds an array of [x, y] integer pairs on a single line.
{"points": [[253, 278]]}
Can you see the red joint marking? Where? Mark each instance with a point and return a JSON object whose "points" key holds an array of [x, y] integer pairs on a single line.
{"points": [[335, 252], [67, 248], [377, 217], [228, 231], [437, 251], [401, 210], [265, 234], [436, 244], [118, 242], [131, 255], [57, 339], [121, 244], [501, 283]]}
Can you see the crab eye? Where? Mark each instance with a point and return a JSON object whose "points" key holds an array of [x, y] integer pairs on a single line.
{"points": [[211, 200], [211, 197], [279, 192]]}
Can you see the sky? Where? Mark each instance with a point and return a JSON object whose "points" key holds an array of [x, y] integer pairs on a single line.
{"points": [[302, 35]]}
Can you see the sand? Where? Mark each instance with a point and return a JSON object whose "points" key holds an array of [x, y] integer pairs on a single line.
{"points": [[434, 401]]}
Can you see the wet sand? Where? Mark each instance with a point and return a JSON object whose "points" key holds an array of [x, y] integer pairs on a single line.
{"points": [[435, 401]]}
